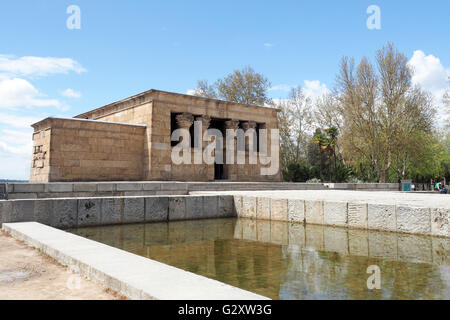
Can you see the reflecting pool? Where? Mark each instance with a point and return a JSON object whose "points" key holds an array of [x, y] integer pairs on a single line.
{"points": [[283, 260]]}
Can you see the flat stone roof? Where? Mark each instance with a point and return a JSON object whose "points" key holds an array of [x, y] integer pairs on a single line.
{"points": [[136, 96], [89, 120]]}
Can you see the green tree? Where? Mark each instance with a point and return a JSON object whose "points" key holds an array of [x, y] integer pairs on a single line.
{"points": [[381, 110], [242, 86]]}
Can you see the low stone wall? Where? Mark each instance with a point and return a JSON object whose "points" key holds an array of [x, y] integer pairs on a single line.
{"points": [[352, 214], [105, 189], [364, 186], [81, 212]]}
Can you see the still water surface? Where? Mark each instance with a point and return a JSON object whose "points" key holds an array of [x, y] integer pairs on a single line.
{"points": [[283, 260]]}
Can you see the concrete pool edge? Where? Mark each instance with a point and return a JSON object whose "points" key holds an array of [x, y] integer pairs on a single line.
{"points": [[128, 274]]}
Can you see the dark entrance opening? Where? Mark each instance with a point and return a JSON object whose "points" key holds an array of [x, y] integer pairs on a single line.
{"points": [[219, 169]]}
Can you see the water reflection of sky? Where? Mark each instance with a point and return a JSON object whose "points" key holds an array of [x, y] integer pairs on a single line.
{"points": [[292, 261]]}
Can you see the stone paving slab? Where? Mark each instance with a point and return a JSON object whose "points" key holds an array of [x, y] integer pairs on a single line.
{"points": [[128, 274]]}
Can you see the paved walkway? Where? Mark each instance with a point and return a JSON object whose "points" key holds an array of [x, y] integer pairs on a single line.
{"points": [[27, 274]]}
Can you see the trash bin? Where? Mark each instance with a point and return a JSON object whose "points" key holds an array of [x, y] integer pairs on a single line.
{"points": [[406, 185]]}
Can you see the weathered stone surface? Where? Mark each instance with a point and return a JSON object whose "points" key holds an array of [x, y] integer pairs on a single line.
{"points": [[5, 211], [263, 208], [227, 207], [296, 210], [59, 187], [279, 209], [413, 220], [414, 248], [238, 205], [194, 207], [106, 187], [211, 207], [133, 210], [335, 213], [336, 240], [111, 210], [43, 210], [314, 212], [357, 215], [381, 217], [129, 186], [151, 186], [29, 187], [177, 208], [358, 242], [248, 207], [65, 213], [89, 212], [156, 209], [22, 211], [440, 222], [84, 187]]}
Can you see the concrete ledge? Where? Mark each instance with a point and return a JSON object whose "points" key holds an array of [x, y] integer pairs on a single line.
{"points": [[131, 275]]}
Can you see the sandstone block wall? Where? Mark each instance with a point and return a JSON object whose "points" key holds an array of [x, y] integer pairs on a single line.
{"points": [[76, 150], [67, 150]]}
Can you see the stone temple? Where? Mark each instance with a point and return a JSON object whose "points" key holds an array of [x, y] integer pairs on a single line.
{"points": [[130, 140]]}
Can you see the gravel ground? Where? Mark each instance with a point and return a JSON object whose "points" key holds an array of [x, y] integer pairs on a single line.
{"points": [[27, 274]]}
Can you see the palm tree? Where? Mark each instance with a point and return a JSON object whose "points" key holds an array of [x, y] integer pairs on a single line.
{"points": [[332, 134]]}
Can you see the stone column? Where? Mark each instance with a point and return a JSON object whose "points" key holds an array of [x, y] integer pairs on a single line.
{"points": [[185, 121], [206, 121], [230, 169], [246, 126]]}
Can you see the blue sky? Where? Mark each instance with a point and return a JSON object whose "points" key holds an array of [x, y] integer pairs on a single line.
{"points": [[126, 47]]}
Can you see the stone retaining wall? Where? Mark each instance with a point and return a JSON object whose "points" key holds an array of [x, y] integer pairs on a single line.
{"points": [[105, 189], [81, 212], [372, 216]]}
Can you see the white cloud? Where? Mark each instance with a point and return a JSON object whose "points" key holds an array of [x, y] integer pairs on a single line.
{"points": [[314, 89], [18, 121], [18, 92], [268, 45], [311, 88], [191, 92], [70, 93], [38, 66], [432, 76], [16, 142]]}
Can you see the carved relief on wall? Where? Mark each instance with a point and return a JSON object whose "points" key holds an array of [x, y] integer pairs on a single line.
{"points": [[38, 157]]}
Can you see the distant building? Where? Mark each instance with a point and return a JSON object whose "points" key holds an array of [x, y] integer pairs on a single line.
{"points": [[131, 140]]}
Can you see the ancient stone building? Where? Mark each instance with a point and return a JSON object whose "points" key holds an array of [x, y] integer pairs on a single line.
{"points": [[131, 140]]}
